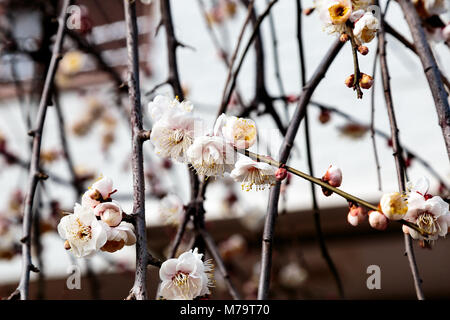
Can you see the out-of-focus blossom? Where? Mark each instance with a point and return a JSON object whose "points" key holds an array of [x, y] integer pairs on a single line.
{"points": [[292, 275], [170, 209], [233, 246], [253, 174], [109, 212], [353, 130], [211, 156], [84, 233], [240, 132], [186, 277], [164, 106], [72, 62]]}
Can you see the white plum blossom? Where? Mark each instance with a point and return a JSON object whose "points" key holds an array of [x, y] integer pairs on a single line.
{"points": [[253, 174], [366, 28], [335, 12], [119, 236], [83, 232], [164, 106], [100, 191], [211, 156], [186, 277], [175, 128], [109, 212], [173, 135], [170, 209], [430, 213], [394, 205], [240, 132]]}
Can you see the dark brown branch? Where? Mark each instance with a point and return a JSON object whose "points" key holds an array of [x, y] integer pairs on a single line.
{"points": [[272, 210], [224, 103], [139, 290], [430, 68], [396, 146], [235, 74], [34, 172], [315, 206]]}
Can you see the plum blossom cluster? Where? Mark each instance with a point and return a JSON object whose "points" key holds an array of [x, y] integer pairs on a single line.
{"points": [[186, 277], [178, 135], [96, 224], [355, 20], [430, 213]]}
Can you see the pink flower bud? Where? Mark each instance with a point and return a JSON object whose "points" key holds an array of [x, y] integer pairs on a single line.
{"points": [[109, 212], [104, 186], [356, 215], [377, 220], [281, 174], [333, 176]]}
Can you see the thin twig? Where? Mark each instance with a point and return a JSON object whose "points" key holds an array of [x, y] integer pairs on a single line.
{"points": [[224, 104], [316, 211], [272, 210], [396, 146], [139, 290], [34, 173], [214, 251]]}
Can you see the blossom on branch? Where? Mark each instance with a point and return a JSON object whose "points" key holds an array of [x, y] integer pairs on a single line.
{"points": [[366, 28], [175, 128], [83, 233], [240, 132], [186, 277], [211, 156], [253, 174], [430, 213]]}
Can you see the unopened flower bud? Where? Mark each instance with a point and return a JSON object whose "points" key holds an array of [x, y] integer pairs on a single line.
{"points": [[324, 116], [344, 37], [349, 81], [377, 220], [333, 176], [363, 50], [366, 81], [109, 212], [281, 174], [356, 215], [66, 245]]}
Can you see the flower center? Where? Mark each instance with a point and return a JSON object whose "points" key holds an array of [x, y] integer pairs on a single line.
{"points": [[84, 232], [427, 222], [338, 13], [176, 137], [398, 204]]}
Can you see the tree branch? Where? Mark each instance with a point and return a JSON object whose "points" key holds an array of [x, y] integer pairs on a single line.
{"points": [[34, 171], [139, 290], [272, 210]]}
